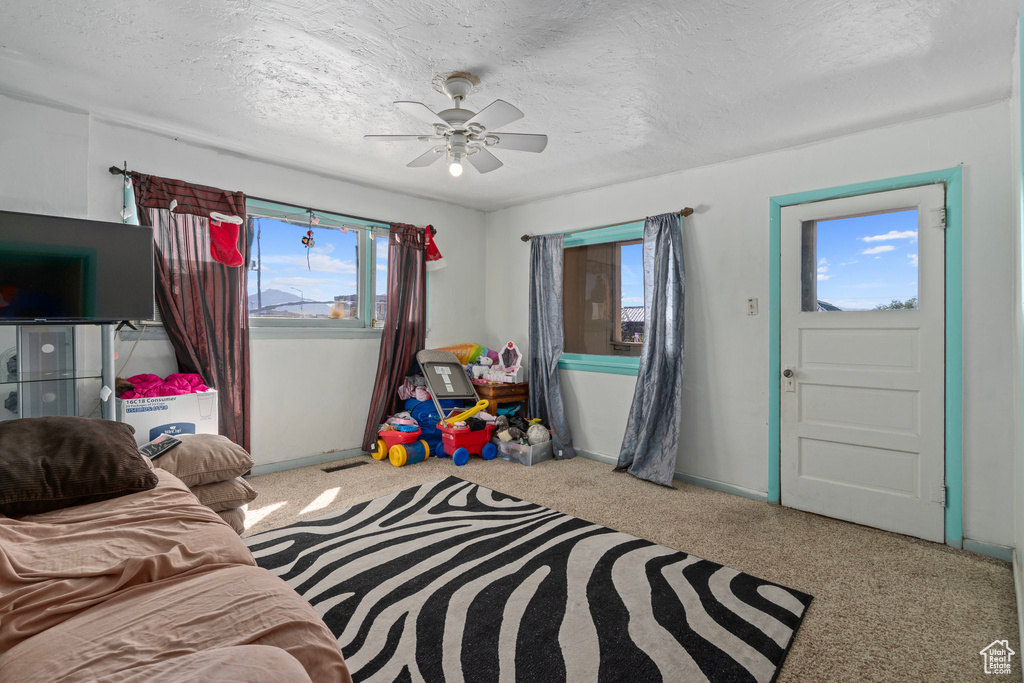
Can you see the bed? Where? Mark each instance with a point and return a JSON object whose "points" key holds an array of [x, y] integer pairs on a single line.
{"points": [[148, 586]]}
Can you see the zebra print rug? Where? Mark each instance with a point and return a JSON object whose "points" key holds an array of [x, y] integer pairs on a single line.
{"points": [[451, 581]]}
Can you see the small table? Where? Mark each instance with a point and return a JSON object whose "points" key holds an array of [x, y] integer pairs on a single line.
{"points": [[496, 394]]}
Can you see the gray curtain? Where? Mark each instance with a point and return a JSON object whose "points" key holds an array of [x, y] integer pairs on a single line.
{"points": [[652, 430], [546, 340]]}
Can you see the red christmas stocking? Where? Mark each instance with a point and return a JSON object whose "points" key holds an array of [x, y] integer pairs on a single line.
{"points": [[224, 239], [434, 259]]}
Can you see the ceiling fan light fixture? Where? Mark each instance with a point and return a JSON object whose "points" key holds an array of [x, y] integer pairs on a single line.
{"points": [[464, 134]]}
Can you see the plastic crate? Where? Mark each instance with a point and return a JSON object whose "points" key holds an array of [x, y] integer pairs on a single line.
{"points": [[523, 454]]}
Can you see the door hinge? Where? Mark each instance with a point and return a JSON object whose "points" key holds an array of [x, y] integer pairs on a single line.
{"points": [[942, 218], [939, 494]]}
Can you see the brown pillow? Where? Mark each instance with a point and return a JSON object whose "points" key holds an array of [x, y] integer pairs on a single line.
{"points": [[48, 463], [205, 459], [224, 495], [236, 518]]}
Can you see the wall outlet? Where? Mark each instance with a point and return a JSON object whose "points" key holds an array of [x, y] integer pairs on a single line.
{"points": [[752, 306]]}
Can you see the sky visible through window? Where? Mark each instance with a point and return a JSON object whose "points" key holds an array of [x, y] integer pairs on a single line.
{"points": [[867, 261], [632, 260], [332, 268]]}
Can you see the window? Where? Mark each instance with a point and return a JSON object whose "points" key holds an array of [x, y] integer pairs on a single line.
{"points": [[319, 279], [860, 263], [603, 299], [380, 304]]}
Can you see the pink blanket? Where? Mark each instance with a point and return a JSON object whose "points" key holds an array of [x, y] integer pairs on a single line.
{"points": [[150, 586], [174, 385]]}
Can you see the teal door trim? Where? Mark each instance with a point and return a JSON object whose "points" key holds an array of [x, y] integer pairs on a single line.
{"points": [[953, 180]]}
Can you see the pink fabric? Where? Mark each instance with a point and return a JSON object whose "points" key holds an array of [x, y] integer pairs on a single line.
{"points": [[407, 390], [174, 385]]}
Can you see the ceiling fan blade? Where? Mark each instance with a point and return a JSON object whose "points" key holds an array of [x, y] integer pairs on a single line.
{"points": [[426, 159], [495, 115], [397, 138], [421, 112], [521, 142], [484, 161]]}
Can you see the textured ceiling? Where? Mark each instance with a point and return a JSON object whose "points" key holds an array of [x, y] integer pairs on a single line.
{"points": [[624, 90]]}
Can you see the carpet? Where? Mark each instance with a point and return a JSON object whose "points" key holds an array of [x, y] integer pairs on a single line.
{"points": [[451, 581]]}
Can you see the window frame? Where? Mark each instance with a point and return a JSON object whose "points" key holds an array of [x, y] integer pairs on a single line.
{"points": [[306, 328], [375, 234], [588, 362]]}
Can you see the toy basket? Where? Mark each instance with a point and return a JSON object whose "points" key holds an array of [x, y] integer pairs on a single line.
{"points": [[391, 437], [461, 443]]}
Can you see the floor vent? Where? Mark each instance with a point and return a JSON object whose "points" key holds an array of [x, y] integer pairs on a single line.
{"points": [[344, 467]]}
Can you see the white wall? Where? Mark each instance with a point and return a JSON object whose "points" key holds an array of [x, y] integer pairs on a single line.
{"points": [[43, 158], [308, 396], [724, 432]]}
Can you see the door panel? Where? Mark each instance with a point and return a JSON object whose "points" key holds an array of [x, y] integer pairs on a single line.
{"points": [[863, 349], [862, 414]]}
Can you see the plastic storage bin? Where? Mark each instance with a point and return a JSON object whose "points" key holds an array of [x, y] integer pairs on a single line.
{"points": [[523, 454]]}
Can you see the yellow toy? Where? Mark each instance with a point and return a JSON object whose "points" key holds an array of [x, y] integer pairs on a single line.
{"points": [[408, 453], [480, 405]]}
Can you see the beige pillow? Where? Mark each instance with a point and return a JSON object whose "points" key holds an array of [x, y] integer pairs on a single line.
{"points": [[205, 459], [235, 517], [224, 495]]}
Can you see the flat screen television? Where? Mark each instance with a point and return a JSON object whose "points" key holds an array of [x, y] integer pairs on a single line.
{"points": [[69, 270]]}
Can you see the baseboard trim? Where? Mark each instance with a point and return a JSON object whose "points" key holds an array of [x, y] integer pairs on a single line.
{"points": [[1000, 552], [723, 487], [307, 461], [690, 479], [1018, 589]]}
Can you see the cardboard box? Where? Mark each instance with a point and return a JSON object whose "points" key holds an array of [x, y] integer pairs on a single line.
{"points": [[156, 415], [523, 454]]}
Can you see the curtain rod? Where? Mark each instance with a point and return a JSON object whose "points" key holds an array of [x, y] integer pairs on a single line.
{"points": [[114, 170], [686, 211]]}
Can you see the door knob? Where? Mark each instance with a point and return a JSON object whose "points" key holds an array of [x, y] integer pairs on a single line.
{"points": [[787, 373]]}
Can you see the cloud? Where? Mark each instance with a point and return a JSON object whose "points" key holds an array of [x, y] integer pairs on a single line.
{"points": [[823, 269], [300, 282], [891, 235], [632, 300], [322, 248], [913, 259], [382, 267], [849, 263], [317, 261], [878, 250]]}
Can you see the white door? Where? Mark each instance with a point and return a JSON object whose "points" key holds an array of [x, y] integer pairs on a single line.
{"points": [[862, 394]]}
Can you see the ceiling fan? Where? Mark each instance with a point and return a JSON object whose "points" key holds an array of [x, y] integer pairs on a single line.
{"points": [[462, 135]]}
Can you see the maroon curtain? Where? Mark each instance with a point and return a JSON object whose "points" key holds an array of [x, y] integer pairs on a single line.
{"points": [[202, 302], [405, 327]]}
